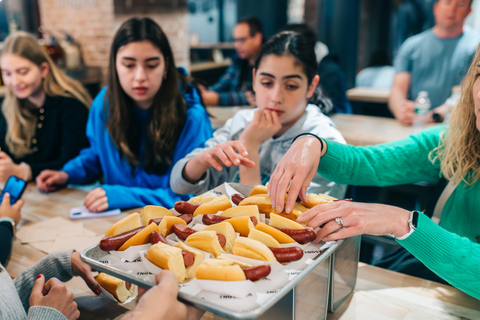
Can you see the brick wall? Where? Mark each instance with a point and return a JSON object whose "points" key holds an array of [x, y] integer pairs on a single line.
{"points": [[93, 23]]}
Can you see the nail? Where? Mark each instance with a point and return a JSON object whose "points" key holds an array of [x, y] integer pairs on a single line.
{"points": [[237, 161], [38, 277], [279, 209], [245, 153], [98, 292], [288, 209]]}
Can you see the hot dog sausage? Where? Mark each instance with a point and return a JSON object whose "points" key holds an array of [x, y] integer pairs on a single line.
{"points": [[209, 219], [115, 242], [302, 236], [188, 257], [183, 232], [185, 207], [287, 254], [237, 198], [257, 273]]}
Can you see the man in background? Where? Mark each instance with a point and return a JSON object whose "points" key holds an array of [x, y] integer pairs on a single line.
{"points": [[434, 61], [235, 86]]}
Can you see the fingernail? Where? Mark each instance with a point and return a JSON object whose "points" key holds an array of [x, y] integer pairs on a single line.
{"points": [[39, 276], [245, 153], [237, 161], [98, 292], [288, 209], [278, 209]]}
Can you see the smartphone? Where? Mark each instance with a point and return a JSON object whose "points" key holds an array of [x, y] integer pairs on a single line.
{"points": [[15, 187], [83, 213]]}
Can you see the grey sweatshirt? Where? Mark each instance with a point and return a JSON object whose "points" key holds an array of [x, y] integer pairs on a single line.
{"points": [[271, 152], [15, 295]]}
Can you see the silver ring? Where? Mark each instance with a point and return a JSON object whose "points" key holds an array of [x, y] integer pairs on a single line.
{"points": [[339, 221]]}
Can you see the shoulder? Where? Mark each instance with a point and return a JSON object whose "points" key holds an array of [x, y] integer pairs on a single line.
{"points": [[416, 40], [99, 102]]}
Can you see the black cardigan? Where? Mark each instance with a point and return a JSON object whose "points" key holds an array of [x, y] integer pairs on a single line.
{"points": [[59, 136]]}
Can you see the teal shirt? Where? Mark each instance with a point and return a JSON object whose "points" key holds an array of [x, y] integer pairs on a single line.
{"points": [[436, 64], [441, 248]]}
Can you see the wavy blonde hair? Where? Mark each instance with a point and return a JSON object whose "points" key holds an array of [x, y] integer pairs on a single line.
{"points": [[18, 113], [459, 148]]}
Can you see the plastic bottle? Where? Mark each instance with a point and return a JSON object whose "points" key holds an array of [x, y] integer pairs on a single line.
{"points": [[422, 106], [452, 102]]}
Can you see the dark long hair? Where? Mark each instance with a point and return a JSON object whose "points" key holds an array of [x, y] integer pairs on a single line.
{"points": [[168, 111], [302, 48]]}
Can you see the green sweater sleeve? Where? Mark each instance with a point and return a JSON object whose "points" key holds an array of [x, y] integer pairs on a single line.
{"points": [[453, 258], [398, 162]]}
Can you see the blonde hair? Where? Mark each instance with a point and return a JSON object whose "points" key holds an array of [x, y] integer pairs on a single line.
{"points": [[21, 122], [459, 148]]}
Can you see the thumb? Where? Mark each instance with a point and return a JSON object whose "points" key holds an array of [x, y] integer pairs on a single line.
{"points": [[6, 199], [18, 204], [3, 155], [39, 285]]}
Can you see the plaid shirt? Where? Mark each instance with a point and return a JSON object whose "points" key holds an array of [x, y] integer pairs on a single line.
{"points": [[231, 92]]}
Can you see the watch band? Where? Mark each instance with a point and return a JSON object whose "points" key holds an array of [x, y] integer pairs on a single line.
{"points": [[10, 220], [412, 223]]}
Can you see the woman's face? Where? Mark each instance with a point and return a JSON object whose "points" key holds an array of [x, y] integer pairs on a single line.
{"points": [[22, 76], [476, 96], [282, 86], [141, 68]]}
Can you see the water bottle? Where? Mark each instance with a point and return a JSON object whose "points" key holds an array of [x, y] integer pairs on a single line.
{"points": [[422, 107], [452, 102]]}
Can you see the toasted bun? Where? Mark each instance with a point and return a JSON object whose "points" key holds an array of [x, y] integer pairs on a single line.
{"points": [[168, 258], [140, 238], [220, 270], [227, 230], [252, 249], [198, 258], [250, 211], [153, 212], [166, 226], [242, 225], [221, 203], [262, 201], [297, 210], [206, 198], [285, 223], [205, 241], [276, 234], [258, 190], [236, 261], [128, 223], [264, 238], [316, 199], [117, 287]]}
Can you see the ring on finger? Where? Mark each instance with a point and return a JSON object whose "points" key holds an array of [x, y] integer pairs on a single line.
{"points": [[339, 221]]}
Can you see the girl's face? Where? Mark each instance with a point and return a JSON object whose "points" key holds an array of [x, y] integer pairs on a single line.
{"points": [[22, 76], [141, 68], [281, 85], [476, 96]]}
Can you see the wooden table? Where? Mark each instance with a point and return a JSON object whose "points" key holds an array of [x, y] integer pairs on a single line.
{"points": [[209, 65], [360, 130], [366, 94], [379, 294], [219, 115]]}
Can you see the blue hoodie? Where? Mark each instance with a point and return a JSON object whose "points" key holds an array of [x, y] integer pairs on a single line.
{"points": [[123, 189]]}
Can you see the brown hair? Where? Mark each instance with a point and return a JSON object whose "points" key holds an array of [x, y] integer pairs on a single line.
{"points": [[168, 113], [18, 113]]}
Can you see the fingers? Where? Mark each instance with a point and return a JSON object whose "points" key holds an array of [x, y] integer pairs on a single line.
{"points": [[53, 282], [232, 152], [91, 282], [168, 282], [38, 285], [17, 205], [6, 200], [96, 200]]}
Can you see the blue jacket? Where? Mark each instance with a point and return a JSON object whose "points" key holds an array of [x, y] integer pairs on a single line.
{"points": [[123, 189]]}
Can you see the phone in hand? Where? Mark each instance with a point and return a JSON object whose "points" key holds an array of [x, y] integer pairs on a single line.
{"points": [[15, 187]]}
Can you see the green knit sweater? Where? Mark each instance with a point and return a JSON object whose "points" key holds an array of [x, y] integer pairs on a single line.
{"points": [[451, 249]]}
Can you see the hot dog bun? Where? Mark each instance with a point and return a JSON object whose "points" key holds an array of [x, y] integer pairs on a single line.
{"points": [[252, 249], [276, 234], [153, 212], [198, 258], [206, 198], [316, 199], [264, 238], [262, 201], [140, 238], [117, 287], [258, 190], [242, 225], [166, 226], [282, 222], [218, 204], [205, 241], [297, 210], [169, 258], [249, 211], [128, 223], [228, 232], [220, 270]]}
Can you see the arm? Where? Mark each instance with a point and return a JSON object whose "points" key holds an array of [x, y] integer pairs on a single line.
{"points": [[450, 256], [6, 236], [226, 87], [402, 108], [73, 122], [54, 265]]}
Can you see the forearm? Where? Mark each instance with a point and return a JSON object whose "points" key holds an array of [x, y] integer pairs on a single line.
{"points": [[251, 176], [195, 169], [396, 99]]}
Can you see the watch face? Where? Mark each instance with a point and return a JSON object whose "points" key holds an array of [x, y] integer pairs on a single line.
{"points": [[415, 218]]}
